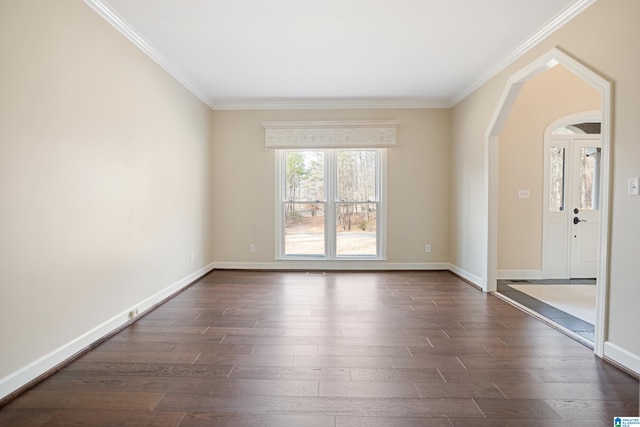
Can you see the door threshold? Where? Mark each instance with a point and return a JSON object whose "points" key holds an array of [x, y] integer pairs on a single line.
{"points": [[566, 331]]}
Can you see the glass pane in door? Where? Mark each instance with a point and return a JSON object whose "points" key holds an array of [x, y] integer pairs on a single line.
{"points": [[556, 179], [589, 186]]}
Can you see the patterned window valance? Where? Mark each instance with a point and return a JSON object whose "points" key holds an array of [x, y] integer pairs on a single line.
{"points": [[339, 134]]}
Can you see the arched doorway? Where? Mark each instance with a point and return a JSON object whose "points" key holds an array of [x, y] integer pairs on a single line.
{"points": [[510, 94]]}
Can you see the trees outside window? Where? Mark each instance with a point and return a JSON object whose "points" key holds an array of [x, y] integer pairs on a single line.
{"points": [[329, 203]]}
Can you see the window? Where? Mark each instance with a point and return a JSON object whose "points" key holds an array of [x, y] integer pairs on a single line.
{"points": [[556, 179], [330, 203], [589, 181], [330, 187]]}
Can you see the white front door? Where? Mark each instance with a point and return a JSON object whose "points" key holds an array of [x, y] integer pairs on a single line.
{"points": [[585, 207], [571, 217]]}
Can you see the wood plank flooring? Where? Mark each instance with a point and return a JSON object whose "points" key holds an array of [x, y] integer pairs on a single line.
{"points": [[249, 348]]}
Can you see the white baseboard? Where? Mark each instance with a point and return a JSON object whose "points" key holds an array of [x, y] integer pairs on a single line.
{"points": [[519, 274], [33, 370], [350, 265], [476, 280], [622, 356], [331, 265]]}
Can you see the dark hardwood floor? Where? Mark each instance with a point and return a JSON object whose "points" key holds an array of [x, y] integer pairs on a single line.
{"points": [[243, 348]]}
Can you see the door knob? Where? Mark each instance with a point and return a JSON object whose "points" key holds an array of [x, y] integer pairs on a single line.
{"points": [[576, 220]]}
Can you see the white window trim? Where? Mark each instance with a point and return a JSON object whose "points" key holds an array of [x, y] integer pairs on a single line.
{"points": [[330, 235]]}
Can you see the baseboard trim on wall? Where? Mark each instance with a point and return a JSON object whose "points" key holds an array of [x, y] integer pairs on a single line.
{"points": [[25, 377], [519, 274], [331, 265], [352, 265], [622, 358], [470, 277]]}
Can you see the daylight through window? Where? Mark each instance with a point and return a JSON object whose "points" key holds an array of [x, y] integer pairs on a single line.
{"points": [[329, 203]]}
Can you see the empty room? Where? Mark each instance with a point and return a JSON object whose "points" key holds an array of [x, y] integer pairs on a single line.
{"points": [[319, 213]]}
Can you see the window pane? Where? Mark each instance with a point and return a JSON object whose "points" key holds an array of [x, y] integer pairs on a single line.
{"points": [[589, 178], [304, 229], [563, 131], [356, 180], [356, 229], [556, 203], [304, 176], [314, 218]]}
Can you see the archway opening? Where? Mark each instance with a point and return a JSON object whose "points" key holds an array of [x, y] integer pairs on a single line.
{"points": [[492, 166]]}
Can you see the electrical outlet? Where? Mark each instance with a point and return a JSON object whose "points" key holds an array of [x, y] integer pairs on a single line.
{"points": [[252, 248], [427, 248], [192, 256]]}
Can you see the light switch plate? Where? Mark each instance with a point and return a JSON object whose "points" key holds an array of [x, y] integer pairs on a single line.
{"points": [[633, 189], [524, 194]]}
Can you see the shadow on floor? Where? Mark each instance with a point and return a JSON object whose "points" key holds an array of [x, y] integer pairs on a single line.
{"points": [[572, 323]]}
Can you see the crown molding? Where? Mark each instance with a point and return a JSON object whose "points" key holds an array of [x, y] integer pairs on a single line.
{"points": [[113, 18], [570, 12], [328, 104], [331, 124]]}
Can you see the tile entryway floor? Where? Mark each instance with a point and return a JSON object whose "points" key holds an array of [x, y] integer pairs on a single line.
{"points": [[569, 303]]}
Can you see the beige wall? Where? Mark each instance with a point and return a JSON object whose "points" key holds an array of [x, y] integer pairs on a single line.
{"points": [[104, 181], [418, 187], [547, 97], [470, 119], [604, 38]]}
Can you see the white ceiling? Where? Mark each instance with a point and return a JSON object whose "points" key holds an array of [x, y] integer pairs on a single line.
{"points": [[335, 53]]}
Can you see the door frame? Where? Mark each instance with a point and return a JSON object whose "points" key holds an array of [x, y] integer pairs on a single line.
{"points": [[556, 271], [490, 200]]}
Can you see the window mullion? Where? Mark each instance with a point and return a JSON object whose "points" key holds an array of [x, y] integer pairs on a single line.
{"points": [[280, 173], [330, 195], [381, 196]]}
